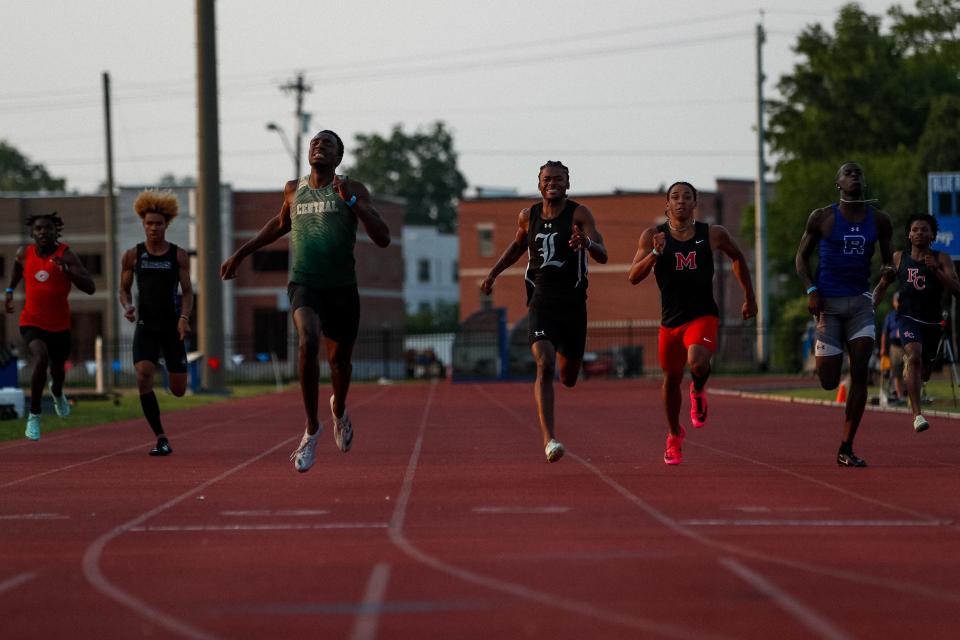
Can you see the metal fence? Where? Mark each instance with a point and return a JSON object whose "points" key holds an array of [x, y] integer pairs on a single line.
{"points": [[621, 351]]}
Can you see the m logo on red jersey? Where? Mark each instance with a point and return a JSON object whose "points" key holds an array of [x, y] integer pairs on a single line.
{"points": [[913, 277], [686, 262]]}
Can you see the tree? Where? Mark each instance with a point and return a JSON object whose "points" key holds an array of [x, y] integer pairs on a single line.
{"points": [[420, 167], [17, 173], [888, 100]]}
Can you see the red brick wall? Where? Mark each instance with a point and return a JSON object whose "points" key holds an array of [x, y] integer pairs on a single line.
{"points": [[621, 218]]}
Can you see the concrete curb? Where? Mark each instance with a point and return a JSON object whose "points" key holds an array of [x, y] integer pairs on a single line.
{"points": [[753, 395]]}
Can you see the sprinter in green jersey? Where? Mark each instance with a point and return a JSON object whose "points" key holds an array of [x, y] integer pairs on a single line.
{"points": [[321, 212]]}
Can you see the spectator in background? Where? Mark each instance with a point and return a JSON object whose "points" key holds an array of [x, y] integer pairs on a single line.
{"points": [[891, 348]]}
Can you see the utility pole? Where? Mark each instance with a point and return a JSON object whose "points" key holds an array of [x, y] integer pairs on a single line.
{"points": [[210, 308], [298, 87], [110, 233], [760, 230]]}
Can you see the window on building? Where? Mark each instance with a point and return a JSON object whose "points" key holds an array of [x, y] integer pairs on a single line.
{"points": [[455, 273], [423, 270], [92, 262], [271, 261], [270, 332], [485, 240]]}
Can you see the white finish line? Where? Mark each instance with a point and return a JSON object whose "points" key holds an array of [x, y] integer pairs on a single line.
{"points": [[280, 526], [520, 510], [815, 523], [256, 513], [34, 516]]}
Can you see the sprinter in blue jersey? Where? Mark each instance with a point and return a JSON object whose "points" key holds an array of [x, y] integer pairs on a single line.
{"points": [[839, 296]]}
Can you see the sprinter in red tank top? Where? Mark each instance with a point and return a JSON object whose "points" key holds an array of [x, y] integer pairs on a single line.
{"points": [[49, 269]]}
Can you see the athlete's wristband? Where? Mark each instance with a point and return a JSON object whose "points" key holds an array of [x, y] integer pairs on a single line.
{"points": [[187, 318], [655, 252], [8, 290], [811, 289], [352, 201]]}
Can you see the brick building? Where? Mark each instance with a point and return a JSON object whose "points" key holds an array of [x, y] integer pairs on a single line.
{"points": [[487, 225], [83, 218], [256, 317]]}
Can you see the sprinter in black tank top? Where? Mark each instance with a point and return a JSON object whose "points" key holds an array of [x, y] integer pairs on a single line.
{"points": [[159, 268], [556, 234], [923, 275], [680, 253]]}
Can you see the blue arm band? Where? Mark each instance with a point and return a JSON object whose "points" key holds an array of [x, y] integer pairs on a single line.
{"points": [[8, 290], [352, 201], [811, 289]]}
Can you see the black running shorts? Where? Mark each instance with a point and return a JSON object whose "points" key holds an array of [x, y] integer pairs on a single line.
{"points": [[58, 342], [563, 323], [150, 343], [338, 309]]}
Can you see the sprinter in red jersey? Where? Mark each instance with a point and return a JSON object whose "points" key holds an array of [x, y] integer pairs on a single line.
{"points": [[49, 270]]}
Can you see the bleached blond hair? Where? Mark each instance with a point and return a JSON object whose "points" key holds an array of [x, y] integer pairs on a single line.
{"points": [[162, 202]]}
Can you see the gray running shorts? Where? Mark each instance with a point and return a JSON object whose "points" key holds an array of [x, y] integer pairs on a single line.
{"points": [[843, 320]]}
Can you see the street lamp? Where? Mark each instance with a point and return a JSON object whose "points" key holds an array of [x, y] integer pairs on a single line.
{"points": [[273, 126]]}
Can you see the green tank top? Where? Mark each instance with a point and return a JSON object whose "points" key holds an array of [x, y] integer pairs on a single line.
{"points": [[323, 232]]}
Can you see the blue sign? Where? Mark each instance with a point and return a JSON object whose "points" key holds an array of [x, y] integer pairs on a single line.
{"points": [[943, 191]]}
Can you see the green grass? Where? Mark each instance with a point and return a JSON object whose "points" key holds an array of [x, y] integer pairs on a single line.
{"points": [[938, 390], [87, 413]]}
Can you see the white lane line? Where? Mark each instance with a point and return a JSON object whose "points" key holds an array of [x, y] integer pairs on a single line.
{"points": [[804, 614], [117, 453], [34, 516], [16, 581], [365, 627], [521, 510], [254, 513], [912, 588], [91, 558], [397, 537], [708, 522], [280, 526], [762, 509]]}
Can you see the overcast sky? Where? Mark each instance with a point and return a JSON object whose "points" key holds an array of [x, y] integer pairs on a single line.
{"points": [[628, 94]]}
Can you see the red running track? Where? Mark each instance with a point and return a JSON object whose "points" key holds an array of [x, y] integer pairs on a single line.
{"points": [[445, 522]]}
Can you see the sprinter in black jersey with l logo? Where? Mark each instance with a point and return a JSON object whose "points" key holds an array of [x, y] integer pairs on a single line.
{"points": [[556, 234], [159, 268], [924, 275], [680, 253]]}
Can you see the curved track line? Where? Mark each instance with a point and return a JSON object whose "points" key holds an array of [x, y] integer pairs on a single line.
{"points": [[115, 453], [91, 557], [397, 537], [670, 523], [804, 614]]}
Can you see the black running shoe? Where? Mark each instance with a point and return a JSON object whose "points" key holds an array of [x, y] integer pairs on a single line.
{"points": [[162, 448], [850, 460]]}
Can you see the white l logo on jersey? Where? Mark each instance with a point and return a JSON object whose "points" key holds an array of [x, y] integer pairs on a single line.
{"points": [[548, 249]]}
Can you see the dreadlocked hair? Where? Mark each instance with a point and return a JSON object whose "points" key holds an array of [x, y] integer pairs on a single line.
{"points": [[52, 217], [162, 202], [555, 163]]}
